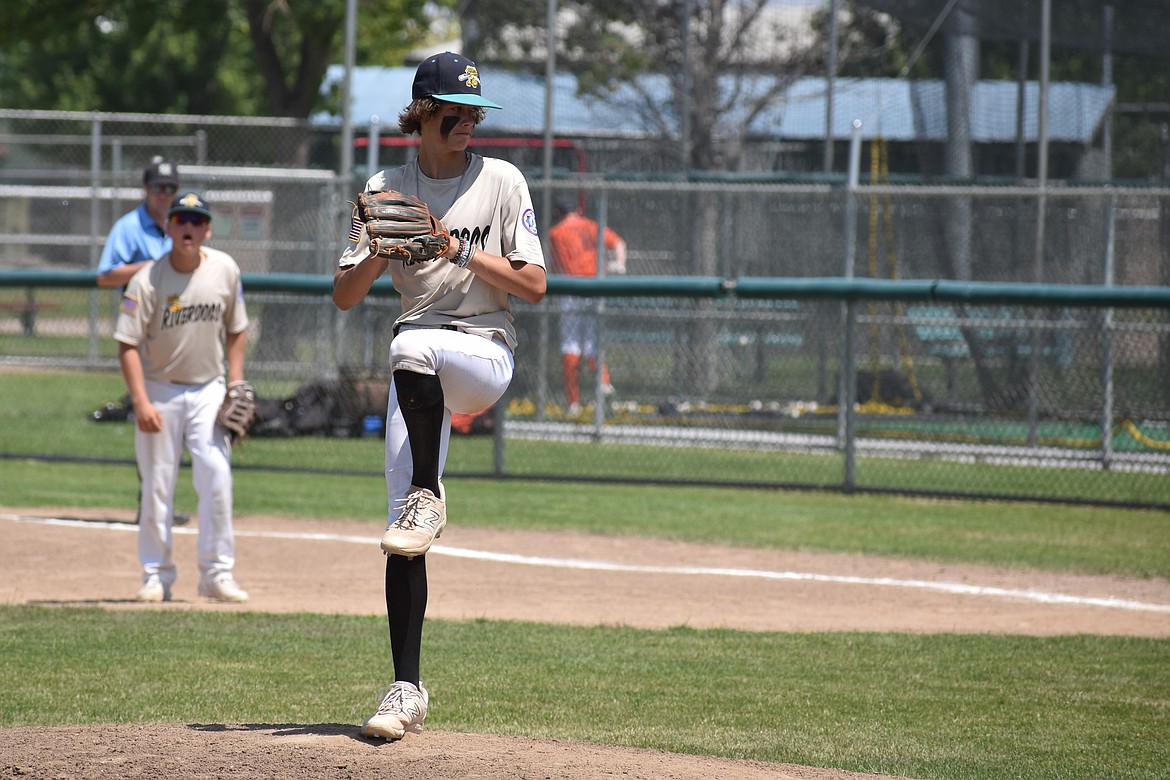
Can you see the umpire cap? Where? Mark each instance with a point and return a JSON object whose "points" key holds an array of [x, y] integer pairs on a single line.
{"points": [[160, 172]]}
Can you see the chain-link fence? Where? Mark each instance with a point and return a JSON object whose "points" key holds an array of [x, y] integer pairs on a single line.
{"points": [[947, 397], [991, 397]]}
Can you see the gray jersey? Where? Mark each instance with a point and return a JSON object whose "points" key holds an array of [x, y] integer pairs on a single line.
{"points": [[180, 321], [490, 205]]}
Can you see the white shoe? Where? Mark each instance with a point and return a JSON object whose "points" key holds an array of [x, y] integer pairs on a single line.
{"points": [[223, 588], [403, 709], [607, 389], [421, 521], [573, 410], [153, 591]]}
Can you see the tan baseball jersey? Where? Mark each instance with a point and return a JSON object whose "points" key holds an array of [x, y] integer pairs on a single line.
{"points": [[180, 321]]}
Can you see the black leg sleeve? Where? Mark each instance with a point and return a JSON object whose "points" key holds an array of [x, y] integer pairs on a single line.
{"points": [[420, 397], [406, 605]]}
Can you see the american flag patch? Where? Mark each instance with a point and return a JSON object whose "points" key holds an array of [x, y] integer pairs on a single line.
{"points": [[129, 305], [355, 230]]}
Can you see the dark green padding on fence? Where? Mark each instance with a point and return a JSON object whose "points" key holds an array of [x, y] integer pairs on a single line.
{"points": [[824, 288]]}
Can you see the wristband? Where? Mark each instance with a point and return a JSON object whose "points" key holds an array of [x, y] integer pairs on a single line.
{"points": [[464, 254]]}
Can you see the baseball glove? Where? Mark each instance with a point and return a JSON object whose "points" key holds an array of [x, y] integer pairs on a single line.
{"points": [[401, 227], [238, 410]]}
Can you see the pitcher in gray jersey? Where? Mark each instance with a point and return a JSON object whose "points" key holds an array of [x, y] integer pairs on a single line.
{"points": [[453, 344]]}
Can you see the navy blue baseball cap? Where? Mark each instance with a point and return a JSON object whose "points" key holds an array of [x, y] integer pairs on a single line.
{"points": [[189, 202], [160, 172], [451, 78]]}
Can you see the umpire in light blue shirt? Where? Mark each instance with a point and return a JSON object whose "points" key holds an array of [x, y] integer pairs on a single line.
{"points": [[140, 236]]}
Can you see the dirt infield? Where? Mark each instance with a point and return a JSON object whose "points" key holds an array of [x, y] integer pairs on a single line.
{"points": [[296, 565]]}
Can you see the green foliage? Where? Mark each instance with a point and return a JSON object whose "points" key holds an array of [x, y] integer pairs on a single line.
{"points": [[942, 706], [123, 55], [237, 57], [868, 44], [388, 29]]}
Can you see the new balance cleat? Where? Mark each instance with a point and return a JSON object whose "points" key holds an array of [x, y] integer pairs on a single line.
{"points": [[403, 709], [420, 522]]}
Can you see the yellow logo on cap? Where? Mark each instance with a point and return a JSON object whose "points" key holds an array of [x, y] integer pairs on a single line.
{"points": [[470, 76], [190, 199]]}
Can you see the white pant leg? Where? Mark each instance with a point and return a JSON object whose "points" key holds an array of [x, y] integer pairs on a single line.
{"points": [[211, 471], [578, 327], [474, 373], [158, 455]]}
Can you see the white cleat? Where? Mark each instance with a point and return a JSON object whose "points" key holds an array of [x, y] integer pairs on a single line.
{"points": [[223, 588], [421, 521], [403, 709], [153, 591]]}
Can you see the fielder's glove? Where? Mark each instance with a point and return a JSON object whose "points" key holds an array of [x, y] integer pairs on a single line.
{"points": [[238, 410], [401, 227]]}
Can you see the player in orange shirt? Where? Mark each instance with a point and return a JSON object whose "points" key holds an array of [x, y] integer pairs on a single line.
{"points": [[573, 243]]}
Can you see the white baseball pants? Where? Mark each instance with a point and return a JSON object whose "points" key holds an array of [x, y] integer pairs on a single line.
{"points": [[578, 326], [188, 418], [474, 372]]}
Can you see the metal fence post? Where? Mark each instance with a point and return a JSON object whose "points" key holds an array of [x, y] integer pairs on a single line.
{"points": [[498, 417], [847, 374], [542, 341], [95, 181], [1107, 340], [599, 307], [374, 141]]}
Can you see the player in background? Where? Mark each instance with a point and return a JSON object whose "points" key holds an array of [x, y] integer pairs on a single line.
{"points": [[452, 347], [140, 236], [573, 244], [180, 318]]}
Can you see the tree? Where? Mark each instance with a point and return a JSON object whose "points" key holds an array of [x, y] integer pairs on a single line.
{"points": [[122, 55], [295, 43], [724, 62], [237, 57]]}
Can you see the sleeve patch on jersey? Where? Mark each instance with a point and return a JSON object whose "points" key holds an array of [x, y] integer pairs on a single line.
{"points": [[355, 230], [528, 219], [129, 304]]}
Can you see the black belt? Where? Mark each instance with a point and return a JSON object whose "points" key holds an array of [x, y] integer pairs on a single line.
{"points": [[398, 327]]}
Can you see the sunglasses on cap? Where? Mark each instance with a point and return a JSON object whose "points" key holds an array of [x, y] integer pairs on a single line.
{"points": [[189, 218], [163, 189]]}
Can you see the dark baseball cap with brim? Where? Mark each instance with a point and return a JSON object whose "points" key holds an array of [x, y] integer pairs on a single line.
{"points": [[189, 203], [451, 78], [161, 172]]}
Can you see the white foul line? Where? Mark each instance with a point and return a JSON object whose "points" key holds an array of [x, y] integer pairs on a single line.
{"points": [[587, 565]]}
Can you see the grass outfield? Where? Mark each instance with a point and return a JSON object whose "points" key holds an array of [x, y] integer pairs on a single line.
{"points": [[938, 706], [47, 413]]}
